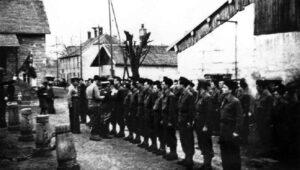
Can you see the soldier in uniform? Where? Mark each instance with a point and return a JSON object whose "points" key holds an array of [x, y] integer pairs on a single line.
{"points": [[134, 111], [245, 98], [73, 92], [94, 101], [105, 107], [50, 98], [140, 111], [169, 117], [215, 93], [156, 132], [263, 108], [127, 113], [231, 121], [119, 107], [185, 122], [204, 122], [42, 94], [83, 101]]}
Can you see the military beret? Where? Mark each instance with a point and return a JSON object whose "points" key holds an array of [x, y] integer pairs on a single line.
{"points": [[184, 81], [157, 83], [203, 84], [262, 83], [281, 89], [117, 78], [230, 84], [149, 81], [168, 81], [96, 77], [74, 79], [243, 83]]}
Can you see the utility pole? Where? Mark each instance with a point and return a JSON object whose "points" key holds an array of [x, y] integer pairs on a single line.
{"points": [[57, 73], [80, 57], [111, 46]]}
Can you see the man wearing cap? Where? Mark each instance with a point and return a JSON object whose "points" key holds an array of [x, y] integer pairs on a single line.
{"points": [[204, 122], [185, 122], [42, 94], [94, 102], [231, 121], [262, 111], [134, 112], [119, 107], [148, 106], [50, 98], [140, 110], [72, 97], [169, 117]]}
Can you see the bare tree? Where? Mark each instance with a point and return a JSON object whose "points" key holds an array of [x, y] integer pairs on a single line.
{"points": [[136, 53]]}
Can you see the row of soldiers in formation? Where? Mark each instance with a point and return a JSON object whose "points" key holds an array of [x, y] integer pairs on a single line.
{"points": [[154, 110]]}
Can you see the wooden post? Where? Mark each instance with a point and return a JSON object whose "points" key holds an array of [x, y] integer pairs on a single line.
{"points": [[65, 149], [13, 116], [26, 125]]}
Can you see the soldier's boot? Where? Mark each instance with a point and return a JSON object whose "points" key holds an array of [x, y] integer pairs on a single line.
{"points": [[95, 138], [137, 139], [129, 137], [113, 132], [189, 163], [153, 147], [162, 149], [207, 162], [145, 143], [172, 155], [121, 134], [105, 134]]}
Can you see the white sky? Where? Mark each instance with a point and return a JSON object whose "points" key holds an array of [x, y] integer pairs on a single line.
{"points": [[167, 20]]}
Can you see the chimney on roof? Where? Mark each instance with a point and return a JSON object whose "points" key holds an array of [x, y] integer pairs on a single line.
{"points": [[100, 30], [89, 35], [95, 31]]}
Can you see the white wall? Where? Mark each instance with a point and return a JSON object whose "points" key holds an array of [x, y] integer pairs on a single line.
{"points": [[274, 55]]}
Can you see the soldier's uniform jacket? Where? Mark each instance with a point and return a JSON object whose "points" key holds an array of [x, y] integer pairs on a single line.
{"points": [[204, 111], [245, 99], [134, 102], [168, 108], [93, 95], [140, 108], [231, 117], [186, 108], [126, 102], [158, 105], [148, 102]]}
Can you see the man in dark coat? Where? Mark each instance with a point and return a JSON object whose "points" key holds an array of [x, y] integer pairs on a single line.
{"points": [[231, 121], [83, 101], [134, 112], [262, 112], [127, 113], [42, 94], [50, 98], [119, 107], [169, 117], [140, 110], [186, 110], [204, 122]]}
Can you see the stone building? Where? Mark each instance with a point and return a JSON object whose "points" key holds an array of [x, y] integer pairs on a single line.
{"points": [[253, 39], [157, 64], [23, 26]]}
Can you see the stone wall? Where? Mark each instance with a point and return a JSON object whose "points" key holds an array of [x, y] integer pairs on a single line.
{"points": [[36, 45]]}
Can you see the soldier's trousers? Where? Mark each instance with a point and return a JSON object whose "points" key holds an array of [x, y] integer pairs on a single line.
{"points": [[84, 108], [170, 136], [95, 120], [140, 123], [187, 140], [205, 145], [230, 154], [74, 120], [120, 118]]}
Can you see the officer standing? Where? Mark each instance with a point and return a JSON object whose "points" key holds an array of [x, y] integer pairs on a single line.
{"points": [[42, 94], [169, 117], [185, 122], [263, 109], [134, 111], [105, 107], [94, 101], [119, 107], [231, 121], [72, 98], [127, 112], [140, 111], [204, 122]]}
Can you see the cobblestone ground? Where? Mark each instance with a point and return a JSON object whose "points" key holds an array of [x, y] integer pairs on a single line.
{"points": [[111, 154]]}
